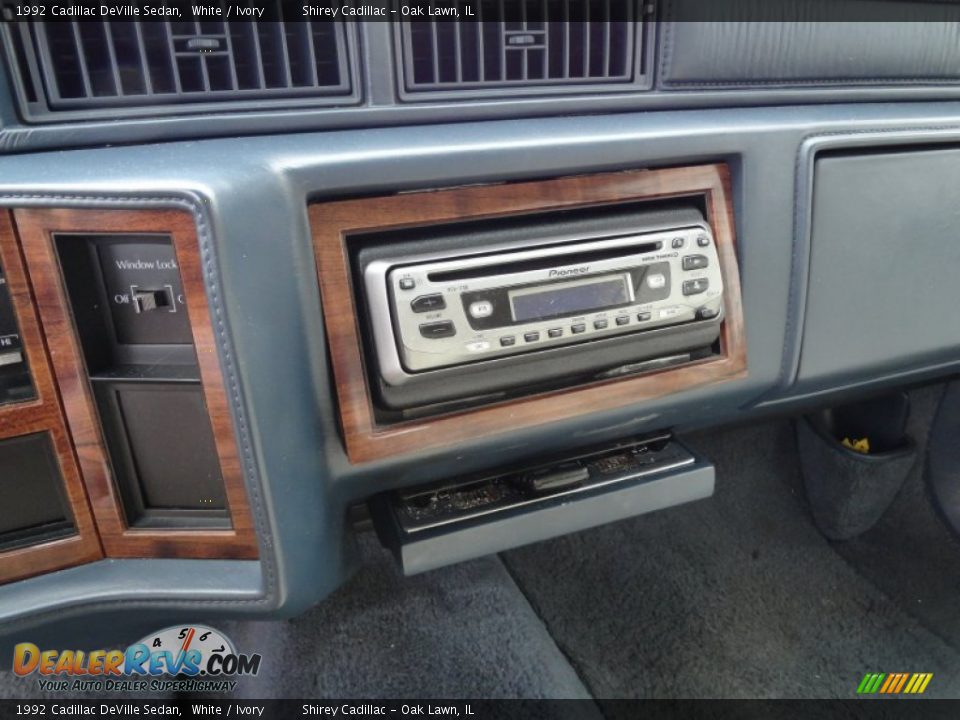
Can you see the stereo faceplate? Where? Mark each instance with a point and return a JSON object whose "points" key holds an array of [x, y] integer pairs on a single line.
{"points": [[438, 310]]}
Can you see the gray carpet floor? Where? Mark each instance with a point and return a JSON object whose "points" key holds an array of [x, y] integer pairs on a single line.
{"points": [[737, 596], [462, 632]]}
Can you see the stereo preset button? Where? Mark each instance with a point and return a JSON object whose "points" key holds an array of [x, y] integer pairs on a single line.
{"points": [[555, 332], [656, 281], [670, 312], [695, 287], [695, 262], [478, 346], [507, 341], [677, 243], [623, 319], [436, 330], [481, 309], [426, 303], [600, 324], [703, 241], [531, 336], [407, 283], [578, 328], [643, 316]]}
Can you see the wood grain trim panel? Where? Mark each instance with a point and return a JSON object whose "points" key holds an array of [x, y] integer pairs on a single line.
{"points": [[332, 224], [42, 415], [37, 228]]}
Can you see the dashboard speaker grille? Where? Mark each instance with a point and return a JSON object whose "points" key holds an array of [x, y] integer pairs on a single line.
{"points": [[114, 64], [522, 43]]}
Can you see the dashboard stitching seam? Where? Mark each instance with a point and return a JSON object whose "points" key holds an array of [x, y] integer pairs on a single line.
{"points": [[203, 229], [666, 56], [267, 559]]}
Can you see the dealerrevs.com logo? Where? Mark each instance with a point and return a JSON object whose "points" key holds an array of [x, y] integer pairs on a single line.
{"points": [[191, 658]]}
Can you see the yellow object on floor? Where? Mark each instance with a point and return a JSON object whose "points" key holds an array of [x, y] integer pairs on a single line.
{"points": [[861, 446]]}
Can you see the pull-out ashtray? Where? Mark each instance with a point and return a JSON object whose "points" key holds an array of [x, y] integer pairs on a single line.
{"points": [[440, 524]]}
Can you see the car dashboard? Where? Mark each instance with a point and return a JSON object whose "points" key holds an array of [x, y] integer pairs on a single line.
{"points": [[467, 282]]}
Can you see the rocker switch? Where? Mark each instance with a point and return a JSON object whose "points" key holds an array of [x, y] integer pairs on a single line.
{"points": [[147, 300]]}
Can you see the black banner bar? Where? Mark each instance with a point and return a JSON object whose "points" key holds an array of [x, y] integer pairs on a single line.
{"points": [[891, 709], [465, 11]]}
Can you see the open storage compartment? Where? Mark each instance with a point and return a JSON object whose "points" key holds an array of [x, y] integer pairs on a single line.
{"points": [[854, 460]]}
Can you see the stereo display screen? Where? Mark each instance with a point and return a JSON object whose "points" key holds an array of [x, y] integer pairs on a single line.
{"points": [[569, 298]]}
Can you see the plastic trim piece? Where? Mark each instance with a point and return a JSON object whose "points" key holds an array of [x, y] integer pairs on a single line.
{"points": [[810, 147], [50, 108], [639, 76]]}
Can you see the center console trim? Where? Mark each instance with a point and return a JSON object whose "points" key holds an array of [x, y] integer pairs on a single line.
{"points": [[334, 223]]}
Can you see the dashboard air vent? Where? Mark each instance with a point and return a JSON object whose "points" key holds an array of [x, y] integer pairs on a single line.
{"points": [[523, 44], [92, 65]]}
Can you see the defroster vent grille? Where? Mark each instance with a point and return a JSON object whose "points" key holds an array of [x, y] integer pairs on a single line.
{"points": [[114, 64], [524, 43]]}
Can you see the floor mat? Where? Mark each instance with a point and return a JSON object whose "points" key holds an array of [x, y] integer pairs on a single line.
{"points": [[735, 596], [464, 631]]}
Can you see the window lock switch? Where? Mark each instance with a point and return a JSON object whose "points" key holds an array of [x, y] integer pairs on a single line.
{"points": [[147, 300]]}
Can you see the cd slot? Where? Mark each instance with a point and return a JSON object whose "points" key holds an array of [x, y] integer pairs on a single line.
{"points": [[551, 258]]}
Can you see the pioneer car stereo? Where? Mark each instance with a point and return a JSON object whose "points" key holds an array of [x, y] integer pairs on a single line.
{"points": [[582, 294]]}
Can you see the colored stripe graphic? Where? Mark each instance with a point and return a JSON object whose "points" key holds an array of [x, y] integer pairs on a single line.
{"points": [[891, 683], [870, 683], [894, 683]]}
